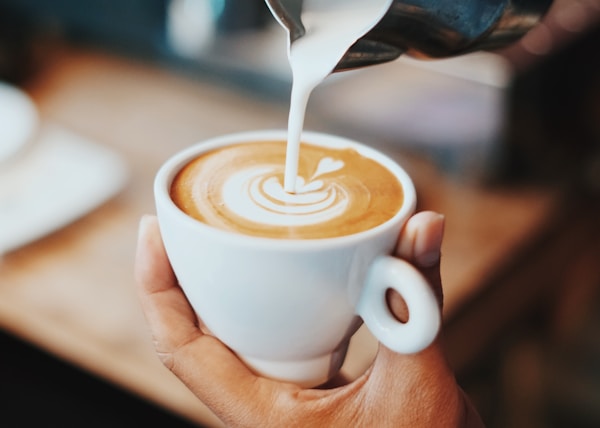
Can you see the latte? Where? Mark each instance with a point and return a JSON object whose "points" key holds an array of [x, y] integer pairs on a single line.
{"points": [[240, 188]]}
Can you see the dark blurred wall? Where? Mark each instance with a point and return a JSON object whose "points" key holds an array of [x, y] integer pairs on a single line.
{"points": [[554, 117], [127, 26], [130, 23], [133, 27]]}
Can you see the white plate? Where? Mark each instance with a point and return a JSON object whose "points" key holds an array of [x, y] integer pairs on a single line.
{"points": [[18, 121], [61, 177]]}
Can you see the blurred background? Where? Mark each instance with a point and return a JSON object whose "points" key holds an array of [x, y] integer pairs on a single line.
{"points": [[99, 93]]}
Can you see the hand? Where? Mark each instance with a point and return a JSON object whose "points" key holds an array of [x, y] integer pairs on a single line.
{"points": [[397, 390]]}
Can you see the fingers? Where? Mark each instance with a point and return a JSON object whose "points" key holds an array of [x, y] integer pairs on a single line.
{"points": [[152, 270], [204, 364], [424, 377], [171, 320], [421, 238], [420, 244]]}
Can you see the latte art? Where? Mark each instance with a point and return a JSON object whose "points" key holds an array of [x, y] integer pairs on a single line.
{"points": [[241, 188], [257, 194]]}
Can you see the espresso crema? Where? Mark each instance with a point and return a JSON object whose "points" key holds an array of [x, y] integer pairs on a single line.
{"points": [[240, 188]]}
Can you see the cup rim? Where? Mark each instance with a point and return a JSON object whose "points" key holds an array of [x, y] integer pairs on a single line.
{"points": [[172, 165]]}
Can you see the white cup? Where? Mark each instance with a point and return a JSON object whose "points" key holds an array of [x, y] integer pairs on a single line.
{"points": [[286, 307]]}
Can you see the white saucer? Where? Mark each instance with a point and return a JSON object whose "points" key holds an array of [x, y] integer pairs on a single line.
{"points": [[18, 121], [61, 177]]}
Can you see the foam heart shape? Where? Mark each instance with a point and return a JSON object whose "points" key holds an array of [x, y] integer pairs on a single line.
{"points": [[327, 165]]}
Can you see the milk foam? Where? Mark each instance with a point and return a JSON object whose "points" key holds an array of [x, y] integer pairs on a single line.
{"points": [[332, 27], [239, 188], [257, 194]]}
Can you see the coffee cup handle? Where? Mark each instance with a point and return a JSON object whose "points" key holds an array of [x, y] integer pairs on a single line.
{"points": [[424, 312]]}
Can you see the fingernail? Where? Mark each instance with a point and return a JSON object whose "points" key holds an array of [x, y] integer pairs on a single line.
{"points": [[428, 243], [143, 226], [405, 247]]}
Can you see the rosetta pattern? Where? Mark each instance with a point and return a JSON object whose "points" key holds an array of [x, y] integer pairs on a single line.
{"points": [[257, 194]]}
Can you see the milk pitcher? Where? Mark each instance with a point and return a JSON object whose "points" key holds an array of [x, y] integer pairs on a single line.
{"points": [[429, 28]]}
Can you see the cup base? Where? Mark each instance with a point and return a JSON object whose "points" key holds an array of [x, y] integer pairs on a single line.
{"points": [[304, 373]]}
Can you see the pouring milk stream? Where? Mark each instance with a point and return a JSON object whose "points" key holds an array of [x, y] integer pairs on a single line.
{"points": [[331, 28]]}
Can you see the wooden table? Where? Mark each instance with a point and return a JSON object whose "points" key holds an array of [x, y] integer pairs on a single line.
{"points": [[72, 292]]}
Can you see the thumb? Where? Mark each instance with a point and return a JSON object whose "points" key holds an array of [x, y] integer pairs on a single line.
{"points": [[427, 382], [420, 243]]}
